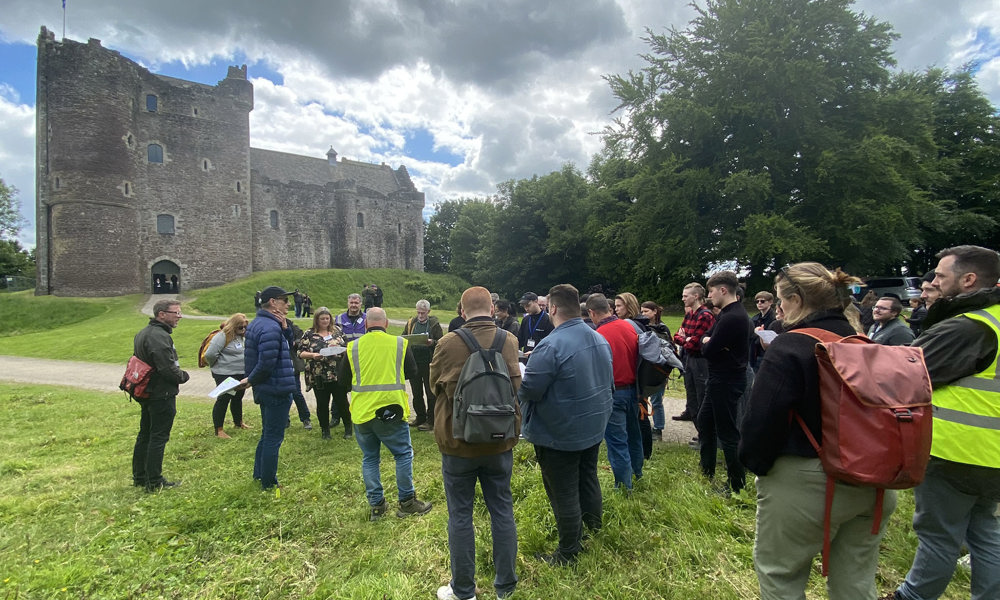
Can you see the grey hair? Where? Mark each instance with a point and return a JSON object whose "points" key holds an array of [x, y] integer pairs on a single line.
{"points": [[423, 305], [353, 297], [163, 306]]}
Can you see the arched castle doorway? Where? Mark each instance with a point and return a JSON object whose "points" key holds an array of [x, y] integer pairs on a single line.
{"points": [[166, 277]]}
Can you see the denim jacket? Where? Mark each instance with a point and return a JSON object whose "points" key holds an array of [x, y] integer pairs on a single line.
{"points": [[566, 390]]}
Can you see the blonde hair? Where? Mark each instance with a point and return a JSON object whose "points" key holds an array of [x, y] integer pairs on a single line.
{"points": [[817, 287], [229, 327], [631, 304]]}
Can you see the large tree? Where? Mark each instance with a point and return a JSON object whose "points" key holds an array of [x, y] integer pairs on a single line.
{"points": [[763, 139], [14, 260]]}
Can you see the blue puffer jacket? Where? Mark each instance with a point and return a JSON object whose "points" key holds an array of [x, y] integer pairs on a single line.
{"points": [[266, 357], [566, 390]]}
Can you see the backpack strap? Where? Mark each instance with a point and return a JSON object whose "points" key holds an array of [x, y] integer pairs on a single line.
{"points": [[820, 335], [469, 339], [499, 340]]}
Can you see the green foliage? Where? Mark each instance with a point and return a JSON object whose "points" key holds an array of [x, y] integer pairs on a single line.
{"points": [[10, 215], [330, 288], [71, 524], [15, 260]]}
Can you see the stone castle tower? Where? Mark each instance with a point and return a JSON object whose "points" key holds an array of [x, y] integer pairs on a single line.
{"points": [[141, 175]]}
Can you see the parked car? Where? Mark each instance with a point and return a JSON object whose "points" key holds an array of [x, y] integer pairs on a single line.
{"points": [[903, 288]]}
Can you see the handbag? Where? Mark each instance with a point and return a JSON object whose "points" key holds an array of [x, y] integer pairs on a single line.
{"points": [[136, 379]]}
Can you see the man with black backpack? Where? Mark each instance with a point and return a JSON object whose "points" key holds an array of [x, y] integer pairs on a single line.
{"points": [[475, 377]]}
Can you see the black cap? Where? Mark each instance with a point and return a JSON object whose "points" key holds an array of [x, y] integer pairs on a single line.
{"points": [[272, 292], [528, 297]]}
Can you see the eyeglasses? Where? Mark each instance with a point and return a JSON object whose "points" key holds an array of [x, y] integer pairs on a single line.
{"points": [[762, 301], [173, 312]]}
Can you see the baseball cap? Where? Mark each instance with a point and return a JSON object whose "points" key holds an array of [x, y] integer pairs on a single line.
{"points": [[273, 292], [528, 297]]}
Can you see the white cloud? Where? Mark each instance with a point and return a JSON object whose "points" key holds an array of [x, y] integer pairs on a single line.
{"points": [[17, 156]]}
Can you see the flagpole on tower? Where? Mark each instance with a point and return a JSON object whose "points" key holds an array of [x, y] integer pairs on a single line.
{"points": [[64, 19]]}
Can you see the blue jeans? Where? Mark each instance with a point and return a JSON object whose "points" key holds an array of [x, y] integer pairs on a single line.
{"points": [[273, 417], [944, 518], [396, 437], [493, 474], [623, 437], [659, 419]]}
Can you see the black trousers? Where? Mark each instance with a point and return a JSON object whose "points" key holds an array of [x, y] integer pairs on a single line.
{"points": [[571, 484], [421, 385], [233, 400], [717, 419], [156, 419], [338, 394]]}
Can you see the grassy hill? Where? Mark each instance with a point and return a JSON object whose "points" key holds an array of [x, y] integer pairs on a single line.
{"points": [[101, 329], [330, 287]]}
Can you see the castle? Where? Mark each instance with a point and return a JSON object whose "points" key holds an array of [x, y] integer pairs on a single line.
{"points": [[142, 179]]}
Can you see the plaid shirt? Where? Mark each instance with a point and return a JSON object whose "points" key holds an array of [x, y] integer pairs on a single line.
{"points": [[695, 325]]}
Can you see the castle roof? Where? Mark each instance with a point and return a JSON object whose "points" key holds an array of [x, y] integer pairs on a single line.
{"points": [[287, 167]]}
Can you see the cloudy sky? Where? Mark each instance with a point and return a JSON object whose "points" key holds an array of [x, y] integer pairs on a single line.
{"points": [[465, 93]]}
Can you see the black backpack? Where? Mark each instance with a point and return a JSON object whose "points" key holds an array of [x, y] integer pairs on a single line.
{"points": [[485, 402]]}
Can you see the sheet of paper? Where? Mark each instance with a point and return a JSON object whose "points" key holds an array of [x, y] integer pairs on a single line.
{"points": [[766, 335], [523, 367], [332, 351], [227, 384]]}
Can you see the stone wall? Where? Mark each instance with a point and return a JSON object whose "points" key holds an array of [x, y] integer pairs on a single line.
{"points": [[100, 196]]}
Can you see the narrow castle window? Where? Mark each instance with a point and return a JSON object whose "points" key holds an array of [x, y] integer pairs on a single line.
{"points": [[128, 189], [58, 183], [195, 110], [129, 141], [274, 219], [154, 153], [150, 102], [165, 224], [399, 228], [361, 219], [204, 164], [238, 189]]}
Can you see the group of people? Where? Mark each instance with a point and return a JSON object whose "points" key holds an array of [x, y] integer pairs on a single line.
{"points": [[578, 388]]}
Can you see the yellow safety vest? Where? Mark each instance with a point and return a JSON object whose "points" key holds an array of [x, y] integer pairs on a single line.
{"points": [[967, 411], [376, 360]]}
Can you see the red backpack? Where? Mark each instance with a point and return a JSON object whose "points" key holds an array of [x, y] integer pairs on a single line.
{"points": [[876, 419], [136, 379]]}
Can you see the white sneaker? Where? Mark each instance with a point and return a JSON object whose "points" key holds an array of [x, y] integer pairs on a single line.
{"points": [[446, 593]]}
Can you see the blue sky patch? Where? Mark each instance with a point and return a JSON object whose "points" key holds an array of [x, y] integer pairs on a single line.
{"points": [[19, 68], [420, 144]]}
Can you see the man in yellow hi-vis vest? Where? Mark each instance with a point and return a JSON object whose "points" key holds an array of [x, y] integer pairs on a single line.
{"points": [[957, 501], [377, 365]]}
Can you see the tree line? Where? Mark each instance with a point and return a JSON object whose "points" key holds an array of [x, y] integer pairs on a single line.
{"points": [[764, 133]]}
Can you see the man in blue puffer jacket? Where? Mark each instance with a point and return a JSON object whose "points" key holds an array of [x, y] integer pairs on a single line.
{"points": [[268, 362]]}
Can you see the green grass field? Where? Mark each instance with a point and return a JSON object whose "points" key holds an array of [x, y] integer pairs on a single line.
{"points": [[74, 527]]}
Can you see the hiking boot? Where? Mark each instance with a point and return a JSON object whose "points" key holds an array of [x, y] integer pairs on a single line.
{"points": [[556, 559], [413, 506], [307, 425], [348, 435], [417, 422], [160, 485], [326, 433], [446, 593], [684, 416], [377, 511], [427, 426], [658, 435]]}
